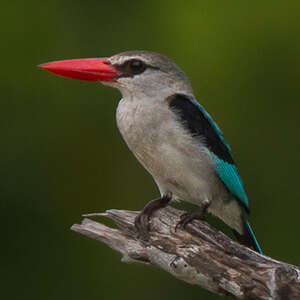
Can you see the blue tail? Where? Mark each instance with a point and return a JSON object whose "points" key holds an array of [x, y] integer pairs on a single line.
{"points": [[250, 237]]}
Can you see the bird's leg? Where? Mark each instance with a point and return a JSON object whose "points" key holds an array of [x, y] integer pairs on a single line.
{"points": [[188, 217], [142, 220]]}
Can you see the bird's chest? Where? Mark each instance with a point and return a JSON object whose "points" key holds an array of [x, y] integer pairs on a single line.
{"points": [[140, 127], [158, 141]]}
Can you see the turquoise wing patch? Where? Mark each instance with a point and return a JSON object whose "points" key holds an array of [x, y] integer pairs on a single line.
{"points": [[228, 173]]}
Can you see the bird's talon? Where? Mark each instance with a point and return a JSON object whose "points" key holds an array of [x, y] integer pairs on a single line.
{"points": [[142, 225], [142, 220], [187, 218]]}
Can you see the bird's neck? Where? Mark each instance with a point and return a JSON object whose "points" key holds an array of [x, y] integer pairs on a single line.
{"points": [[139, 120]]}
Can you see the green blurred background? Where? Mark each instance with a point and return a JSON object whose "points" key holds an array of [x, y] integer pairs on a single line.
{"points": [[62, 156]]}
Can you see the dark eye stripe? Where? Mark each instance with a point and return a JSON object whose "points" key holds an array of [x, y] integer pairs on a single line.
{"points": [[133, 67]]}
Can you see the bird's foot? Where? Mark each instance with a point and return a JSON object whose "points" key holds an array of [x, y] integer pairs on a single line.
{"points": [[188, 217], [142, 220]]}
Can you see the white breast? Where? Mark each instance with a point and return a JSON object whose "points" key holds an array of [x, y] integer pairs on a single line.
{"points": [[177, 162]]}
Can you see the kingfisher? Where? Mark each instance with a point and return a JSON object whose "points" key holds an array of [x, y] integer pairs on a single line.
{"points": [[171, 135]]}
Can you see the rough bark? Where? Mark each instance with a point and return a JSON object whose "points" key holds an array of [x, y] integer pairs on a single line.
{"points": [[199, 255]]}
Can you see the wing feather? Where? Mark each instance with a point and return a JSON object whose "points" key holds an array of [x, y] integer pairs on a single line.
{"points": [[200, 124]]}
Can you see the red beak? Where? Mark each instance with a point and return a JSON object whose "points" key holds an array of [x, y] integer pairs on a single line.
{"points": [[89, 69]]}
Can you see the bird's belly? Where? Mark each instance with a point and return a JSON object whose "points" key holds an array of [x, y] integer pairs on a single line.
{"points": [[189, 178], [182, 169]]}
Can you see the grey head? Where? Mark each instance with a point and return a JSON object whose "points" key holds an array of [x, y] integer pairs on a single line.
{"points": [[148, 74]]}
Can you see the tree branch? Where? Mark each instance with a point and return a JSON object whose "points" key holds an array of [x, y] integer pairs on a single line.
{"points": [[199, 255]]}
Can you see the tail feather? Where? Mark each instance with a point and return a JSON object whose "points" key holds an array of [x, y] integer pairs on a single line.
{"points": [[248, 238]]}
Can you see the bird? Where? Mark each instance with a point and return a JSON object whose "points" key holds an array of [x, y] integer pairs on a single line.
{"points": [[172, 135]]}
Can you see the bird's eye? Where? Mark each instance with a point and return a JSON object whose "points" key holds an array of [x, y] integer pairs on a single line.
{"points": [[135, 66]]}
